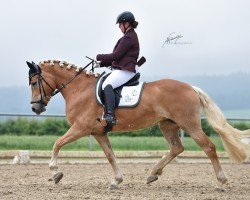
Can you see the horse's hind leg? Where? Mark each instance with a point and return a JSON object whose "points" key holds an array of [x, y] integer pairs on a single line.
{"points": [[103, 140], [170, 132], [209, 148]]}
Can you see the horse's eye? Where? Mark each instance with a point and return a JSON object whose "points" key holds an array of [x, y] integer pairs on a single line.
{"points": [[34, 84]]}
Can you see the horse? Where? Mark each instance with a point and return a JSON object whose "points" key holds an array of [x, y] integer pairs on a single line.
{"points": [[171, 104]]}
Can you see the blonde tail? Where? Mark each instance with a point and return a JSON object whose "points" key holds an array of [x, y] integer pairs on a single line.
{"points": [[231, 137]]}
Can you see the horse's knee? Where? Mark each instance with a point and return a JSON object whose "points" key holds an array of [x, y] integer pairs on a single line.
{"points": [[180, 149], [177, 149]]}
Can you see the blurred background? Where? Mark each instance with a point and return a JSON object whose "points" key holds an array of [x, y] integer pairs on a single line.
{"points": [[213, 52]]}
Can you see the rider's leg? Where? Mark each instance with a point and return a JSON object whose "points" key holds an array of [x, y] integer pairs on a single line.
{"points": [[114, 80], [109, 103], [118, 78]]}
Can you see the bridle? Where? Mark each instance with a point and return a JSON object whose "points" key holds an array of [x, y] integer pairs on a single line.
{"points": [[44, 98], [42, 91]]}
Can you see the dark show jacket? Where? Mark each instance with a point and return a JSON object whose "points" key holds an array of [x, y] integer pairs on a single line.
{"points": [[125, 53]]}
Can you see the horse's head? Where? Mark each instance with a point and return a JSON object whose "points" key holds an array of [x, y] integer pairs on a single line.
{"points": [[40, 88]]}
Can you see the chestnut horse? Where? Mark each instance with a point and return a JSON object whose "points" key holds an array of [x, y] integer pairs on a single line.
{"points": [[171, 104]]}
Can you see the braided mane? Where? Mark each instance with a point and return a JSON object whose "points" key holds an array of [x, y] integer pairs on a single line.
{"points": [[68, 66]]}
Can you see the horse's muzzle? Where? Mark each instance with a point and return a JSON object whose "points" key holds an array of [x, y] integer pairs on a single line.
{"points": [[38, 108]]}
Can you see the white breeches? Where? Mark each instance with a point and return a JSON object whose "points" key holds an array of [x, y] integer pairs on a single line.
{"points": [[118, 78]]}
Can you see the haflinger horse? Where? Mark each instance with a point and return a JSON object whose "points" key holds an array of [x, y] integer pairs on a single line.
{"points": [[171, 104]]}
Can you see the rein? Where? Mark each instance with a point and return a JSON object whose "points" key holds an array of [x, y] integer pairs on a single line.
{"points": [[63, 85]]}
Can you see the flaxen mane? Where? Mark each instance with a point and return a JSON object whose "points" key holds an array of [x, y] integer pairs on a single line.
{"points": [[68, 66]]}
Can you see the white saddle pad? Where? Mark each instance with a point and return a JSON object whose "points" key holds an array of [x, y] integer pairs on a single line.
{"points": [[130, 95]]}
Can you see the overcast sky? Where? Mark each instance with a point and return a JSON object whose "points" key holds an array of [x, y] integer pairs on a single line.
{"points": [[218, 31]]}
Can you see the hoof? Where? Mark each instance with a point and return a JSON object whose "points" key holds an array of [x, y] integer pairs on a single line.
{"points": [[223, 181], [57, 177], [113, 186], [118, 181], [220, 189], [152, 178], [222, 178]]}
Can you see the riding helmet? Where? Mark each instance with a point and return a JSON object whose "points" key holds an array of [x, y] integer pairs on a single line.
{"points": [[125, 17]]}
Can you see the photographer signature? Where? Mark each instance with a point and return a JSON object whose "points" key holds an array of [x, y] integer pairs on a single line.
{"points": [[173, 39]]}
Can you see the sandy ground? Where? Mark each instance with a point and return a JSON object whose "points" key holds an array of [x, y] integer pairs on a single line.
{"points": [[91, 181]]}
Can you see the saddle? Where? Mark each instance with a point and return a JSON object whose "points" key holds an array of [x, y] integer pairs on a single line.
{"points": [[127, 95]]}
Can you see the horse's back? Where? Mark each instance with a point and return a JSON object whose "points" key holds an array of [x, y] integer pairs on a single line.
{"points": [[173, 93], [170, 85]]}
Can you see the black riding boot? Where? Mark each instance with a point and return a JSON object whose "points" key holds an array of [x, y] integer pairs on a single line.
{"points": [[109, 98]]}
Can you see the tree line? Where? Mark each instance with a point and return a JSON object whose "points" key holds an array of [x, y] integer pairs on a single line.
{"points": [[55, 126]]}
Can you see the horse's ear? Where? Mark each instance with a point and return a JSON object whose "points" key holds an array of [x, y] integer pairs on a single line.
{"points": [[30, 65], [37, 67]]}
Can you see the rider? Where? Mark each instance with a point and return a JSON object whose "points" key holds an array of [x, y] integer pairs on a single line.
{"points": [[123, 62]]}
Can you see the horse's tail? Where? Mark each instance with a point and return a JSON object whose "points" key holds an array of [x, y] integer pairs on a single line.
{"points": [[231, 137]]}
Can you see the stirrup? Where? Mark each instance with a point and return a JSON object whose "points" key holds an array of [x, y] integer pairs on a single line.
{"points": [[108, 120]]}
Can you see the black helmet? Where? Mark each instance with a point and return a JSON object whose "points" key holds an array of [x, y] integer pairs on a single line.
{"points": [[125, 17]]}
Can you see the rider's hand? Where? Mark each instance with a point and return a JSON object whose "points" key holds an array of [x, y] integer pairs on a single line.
{"points": [[97, 64]]}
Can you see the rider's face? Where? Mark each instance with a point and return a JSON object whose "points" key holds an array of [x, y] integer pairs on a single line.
{"points": [[123, 26]]}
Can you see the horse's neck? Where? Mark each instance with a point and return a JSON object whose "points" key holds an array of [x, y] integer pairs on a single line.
{"points": [[80, 83]]}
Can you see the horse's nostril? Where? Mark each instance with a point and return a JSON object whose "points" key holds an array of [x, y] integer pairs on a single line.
{"points": [[33, 109]]}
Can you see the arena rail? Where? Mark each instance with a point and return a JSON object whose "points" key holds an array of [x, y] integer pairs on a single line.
{"points": [[93, 157]]}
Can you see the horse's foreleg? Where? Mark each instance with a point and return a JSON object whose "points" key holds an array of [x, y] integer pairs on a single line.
{"points": [[170, 132], [71, 135], [103, 140]]}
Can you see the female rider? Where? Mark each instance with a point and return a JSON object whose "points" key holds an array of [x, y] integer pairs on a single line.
{"points": [[122, 60]]}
